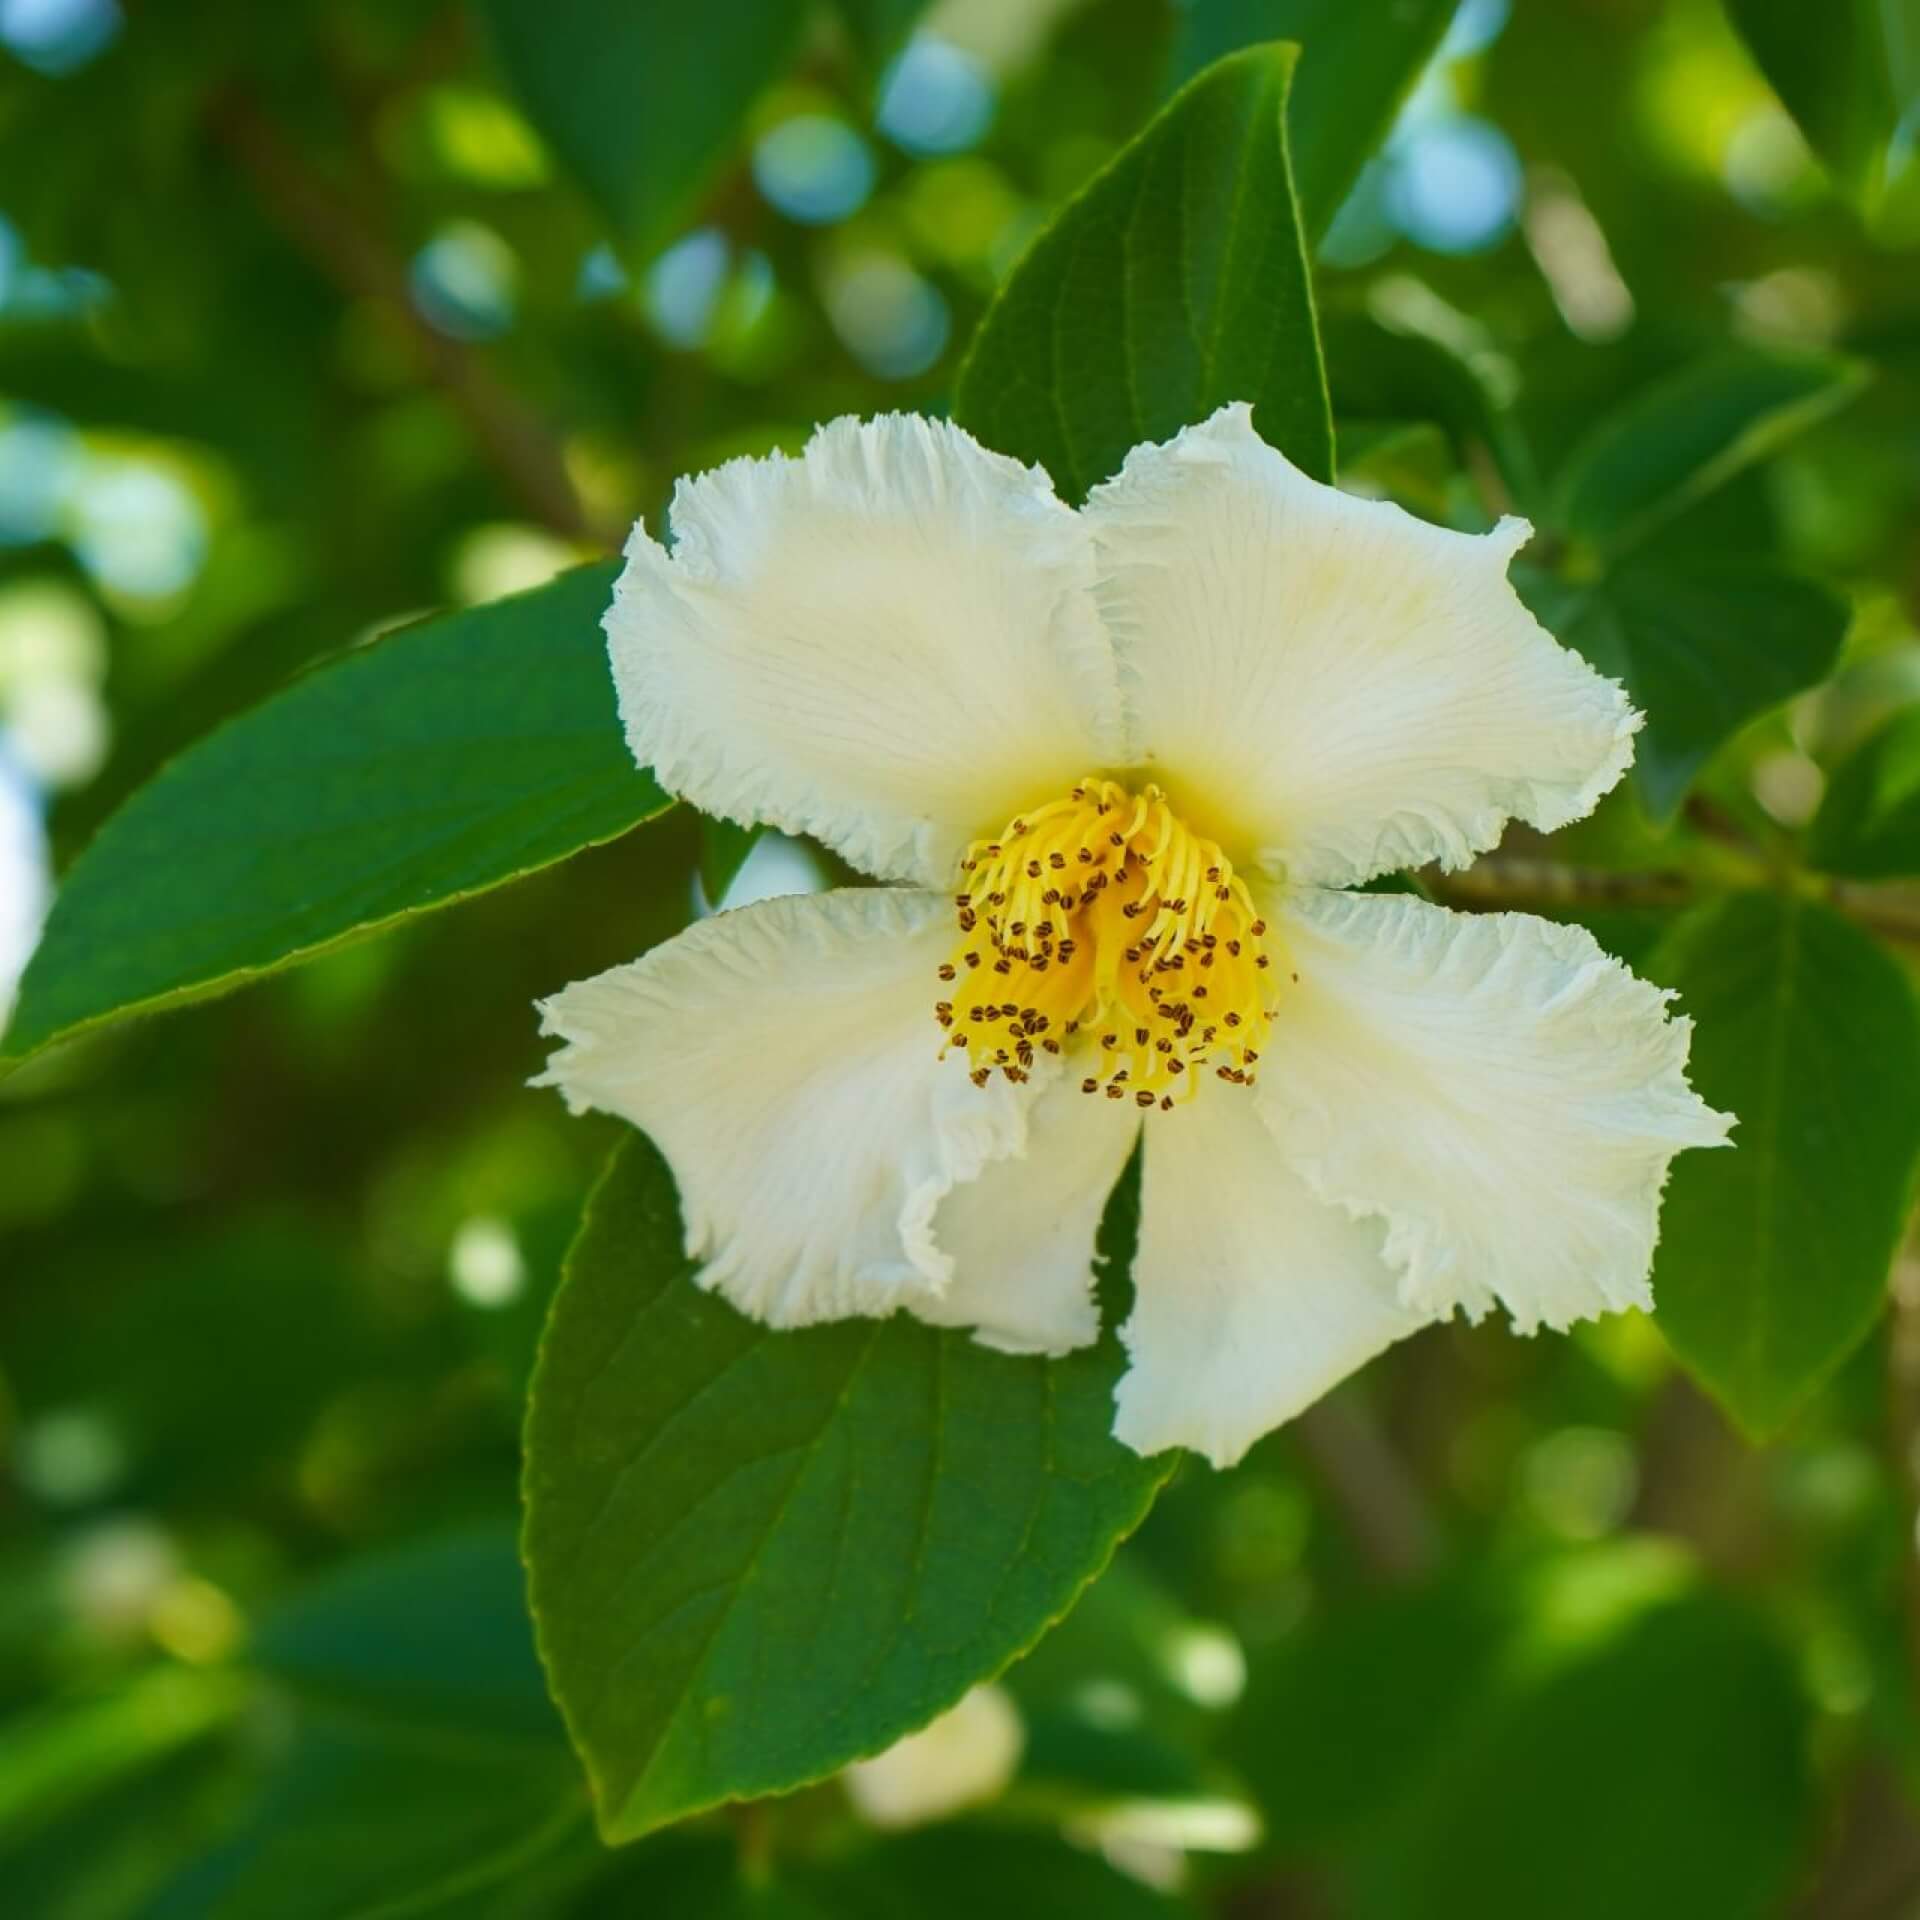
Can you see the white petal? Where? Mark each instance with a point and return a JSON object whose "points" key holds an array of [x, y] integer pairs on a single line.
{"points": [[1021, 1235], [1329, 683], [1497, 1090], [784, 1059], [889, 642], [1251, 1297]]}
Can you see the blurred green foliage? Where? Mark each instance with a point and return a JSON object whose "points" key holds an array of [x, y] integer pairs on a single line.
{"points": [[315, 319]]}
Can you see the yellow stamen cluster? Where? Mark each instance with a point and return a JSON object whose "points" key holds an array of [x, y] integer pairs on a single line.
{"points": [[1105, 925]]}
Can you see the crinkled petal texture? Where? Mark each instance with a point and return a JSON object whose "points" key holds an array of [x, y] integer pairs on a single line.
{"points": [[1494, 1090], [1021, 1236], [1251, 1297], [889, 642], [1328, 682], [783, 1059]]}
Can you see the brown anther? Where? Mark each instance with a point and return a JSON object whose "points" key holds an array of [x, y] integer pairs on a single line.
{"points": [[1143, 1098], [948, 970]]}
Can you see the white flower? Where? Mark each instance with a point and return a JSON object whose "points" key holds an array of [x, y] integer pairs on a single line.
{"points": [[1119, 762], [963, 1759]]}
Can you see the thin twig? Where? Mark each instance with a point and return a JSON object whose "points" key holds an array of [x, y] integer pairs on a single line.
{"points": [[1526, 884]]}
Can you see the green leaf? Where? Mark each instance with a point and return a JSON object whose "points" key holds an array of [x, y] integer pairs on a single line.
{"points": [[756, 1556], [1657, 1768], [1357, 64], [1174, 283], [1773, 1255], [437, 1629], [1377, 374], [1682, 438], [376, 1822], [1702, 648], [1869, 824], [419, 1768], [1849, 73], [440, 761], [643, 104]]}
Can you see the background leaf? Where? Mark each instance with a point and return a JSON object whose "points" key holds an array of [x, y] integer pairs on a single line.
{"points": [[1174, 283], [757, 1556], [1593, 1734], [642, 103], [1849, 73], [1869, 823], [1357, 64], [1773, 1256], [1680, 439], [442, 760], [1703, 648]]}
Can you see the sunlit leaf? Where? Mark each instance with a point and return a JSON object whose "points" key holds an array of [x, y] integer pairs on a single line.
{"points": [[440, 761], [1172, 284], [758, 1555]]}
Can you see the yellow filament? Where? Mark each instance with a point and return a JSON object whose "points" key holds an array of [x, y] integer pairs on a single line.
{"points": [[1103, 925]]}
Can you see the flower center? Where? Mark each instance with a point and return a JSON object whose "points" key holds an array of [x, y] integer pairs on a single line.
{"points": [[1103, 924]]}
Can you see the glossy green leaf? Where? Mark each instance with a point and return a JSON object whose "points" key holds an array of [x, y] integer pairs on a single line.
{"points": [[1680, 439], [437, 762], [1357, 64], [643, 104], [756, 1556], [1849, 73], [1869, 824], [1774, 1254], [1173, 283], [1702, 648]]}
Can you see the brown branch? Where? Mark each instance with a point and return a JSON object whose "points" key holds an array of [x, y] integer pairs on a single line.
{"points": [[1528, 885], [347, 246]]}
